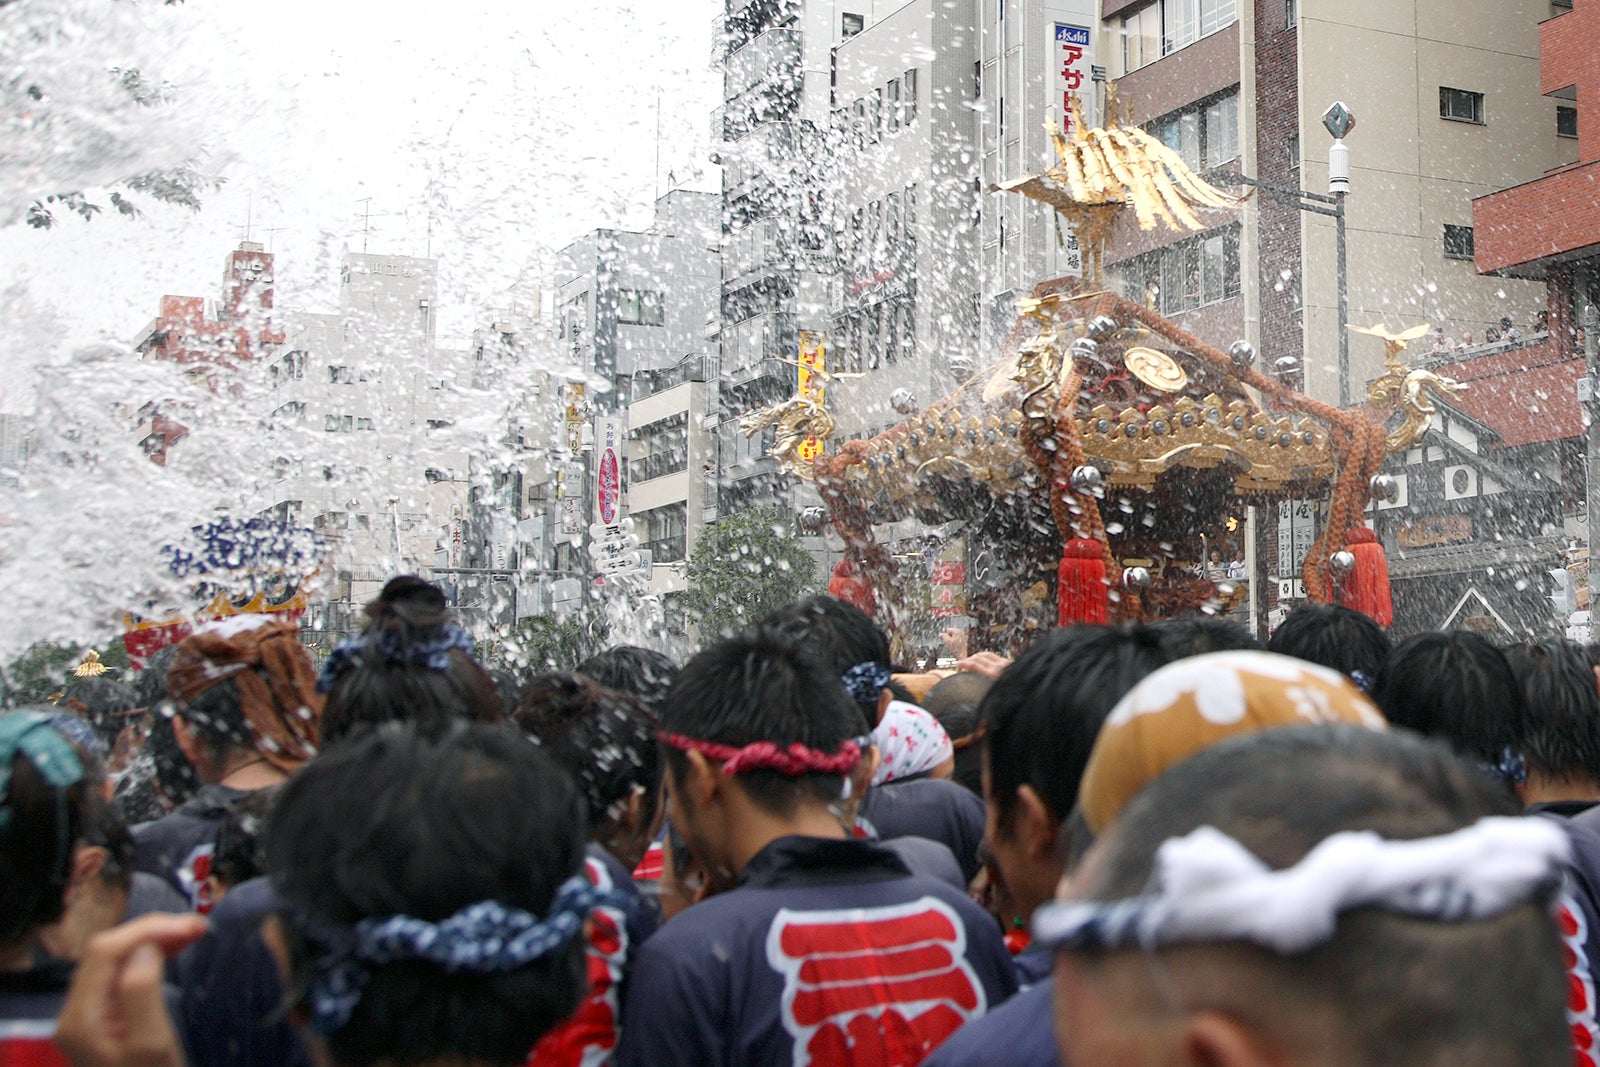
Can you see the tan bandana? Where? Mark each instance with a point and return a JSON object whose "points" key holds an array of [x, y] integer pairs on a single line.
{"points": [[274, 673], [1188, 706]]}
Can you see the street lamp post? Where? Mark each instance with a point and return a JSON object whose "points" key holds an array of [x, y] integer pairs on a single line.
{"points": [[1339, 120]]}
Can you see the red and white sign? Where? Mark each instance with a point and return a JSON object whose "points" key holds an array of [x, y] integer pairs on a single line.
{"points": [[873, 985], [609, 441]]}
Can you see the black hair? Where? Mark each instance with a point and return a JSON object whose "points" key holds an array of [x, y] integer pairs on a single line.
{"points": [[104, 702], [1492, 989], [1197, 634], [104, 827], [44, 825], [605, 739], [642, 673], [839, 636], [1456, 686], [1558, 732], [239, 855], [218, 719], [171, 772], [763, 686], [378, 689], [395, 822], [1333, 636], [1042, 716], [954, 702]]}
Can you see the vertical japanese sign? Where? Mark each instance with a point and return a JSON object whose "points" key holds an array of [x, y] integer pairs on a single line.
{"points": [[812, 384], [609, 443], [574, 398], [1297, 531], [1069, 84], [1071, 76]]}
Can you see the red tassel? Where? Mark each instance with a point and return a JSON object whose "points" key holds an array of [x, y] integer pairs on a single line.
{"points": [[1082, 593], [847, 585], [1366, 587]]}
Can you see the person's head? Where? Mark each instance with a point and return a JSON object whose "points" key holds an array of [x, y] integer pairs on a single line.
{"points": [[607, 741], [1457, 686], [1333, 636], [1557, 732], [96, 897], [954, 702], [430, 895], [411, 663], [43, 798], [642, 673], [756, 733], [1040, 720], [1197, 634], [171, 773], [245, 692], [843, 639], [1178, 944], [104, 702], [1194, 703], [238, 856]]}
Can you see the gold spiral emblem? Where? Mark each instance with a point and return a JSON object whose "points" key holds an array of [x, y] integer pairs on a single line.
{"points": [[1155, 369]]}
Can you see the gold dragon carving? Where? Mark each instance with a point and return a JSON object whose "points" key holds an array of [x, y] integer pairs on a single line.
{"points": [[1406, 389]]}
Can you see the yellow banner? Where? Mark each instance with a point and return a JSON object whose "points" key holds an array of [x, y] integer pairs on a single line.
{"points": [[812, 384]]}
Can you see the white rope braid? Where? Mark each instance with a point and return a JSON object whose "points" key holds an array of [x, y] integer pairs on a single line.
{"points": [[1208, 887]]}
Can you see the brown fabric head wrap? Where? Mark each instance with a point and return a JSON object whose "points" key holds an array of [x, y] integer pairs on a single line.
{"points": [[275, 677]]}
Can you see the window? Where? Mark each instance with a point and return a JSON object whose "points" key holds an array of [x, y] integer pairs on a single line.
{"points": [[639, 307], [1291, 14], [1141, 38], [1460, 105], [875, 115], [1205, 135], [1190, 274], [341, 375], [1457, 242], [851, 24], [659, 448], [364, 424], [909, 96], [1222, 131], [339, 423], [1566, 121], [1186, 21], [1294, 151], [663, 532]]}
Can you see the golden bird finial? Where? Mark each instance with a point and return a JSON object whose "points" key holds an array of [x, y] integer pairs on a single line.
{"points": [[1101, 170], [1393, 343], [91, 667]]}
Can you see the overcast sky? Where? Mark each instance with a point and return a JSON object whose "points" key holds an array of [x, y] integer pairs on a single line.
{"points": [[487, 133]]}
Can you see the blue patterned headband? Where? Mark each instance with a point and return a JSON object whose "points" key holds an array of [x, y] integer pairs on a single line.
{"points": [[433, 653], [483, 938], [865, 681]]}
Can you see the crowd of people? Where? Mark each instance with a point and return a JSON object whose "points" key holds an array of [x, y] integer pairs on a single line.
{"points": [[1147, 844]]}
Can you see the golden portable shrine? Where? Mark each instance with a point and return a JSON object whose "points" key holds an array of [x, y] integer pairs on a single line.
{"points": [[1107, 447]]}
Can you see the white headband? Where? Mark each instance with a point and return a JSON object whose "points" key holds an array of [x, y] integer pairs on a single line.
{"points": [[1208, 887]]}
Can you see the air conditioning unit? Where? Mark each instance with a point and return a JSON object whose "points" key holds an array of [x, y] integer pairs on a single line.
{"points": [[1460, 482]]}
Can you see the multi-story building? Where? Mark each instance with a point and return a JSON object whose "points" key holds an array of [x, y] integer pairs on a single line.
{"points": [[1033, 57], [362, 412], [771, 137], [16, 444], [1447, 105], [633, 313], [903, 302]]}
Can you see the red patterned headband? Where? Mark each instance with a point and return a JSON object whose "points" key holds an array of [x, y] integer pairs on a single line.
{"points": [[794, 761]]}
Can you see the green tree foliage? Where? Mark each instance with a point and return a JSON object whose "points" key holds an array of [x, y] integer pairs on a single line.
{"points": [[745, 566], [555, 643], [45, 670]]}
